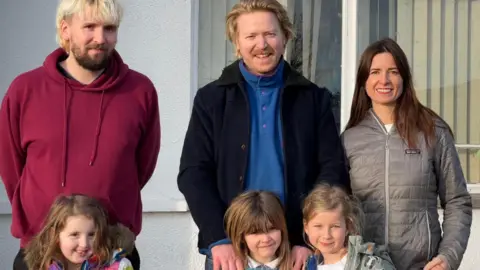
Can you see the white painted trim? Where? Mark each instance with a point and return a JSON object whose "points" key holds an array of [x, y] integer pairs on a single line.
{"points": [[150, 205], [349, 58], [164, 205], [473, 188]]}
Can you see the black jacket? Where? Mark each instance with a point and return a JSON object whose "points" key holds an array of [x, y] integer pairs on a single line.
{"points": [[215, 152]]}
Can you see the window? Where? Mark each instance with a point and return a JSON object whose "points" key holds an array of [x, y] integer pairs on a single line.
{"points": [[315, 51], [441, 39], [215, 51]]}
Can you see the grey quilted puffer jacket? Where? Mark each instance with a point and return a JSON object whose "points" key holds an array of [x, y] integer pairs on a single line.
{"points": [[399, 187]]}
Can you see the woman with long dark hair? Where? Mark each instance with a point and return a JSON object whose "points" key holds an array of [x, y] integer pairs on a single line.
{"points": [[402, 157]]}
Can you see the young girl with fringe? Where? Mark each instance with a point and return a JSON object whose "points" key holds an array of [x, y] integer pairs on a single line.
{"points": [[76, 235], [255, 223], [332, 223]]}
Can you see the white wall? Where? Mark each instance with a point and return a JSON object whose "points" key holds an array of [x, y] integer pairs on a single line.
{"points": [[157, 38]]}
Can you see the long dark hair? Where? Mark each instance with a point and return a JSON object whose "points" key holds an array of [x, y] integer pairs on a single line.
{"points": [[411, 117]]}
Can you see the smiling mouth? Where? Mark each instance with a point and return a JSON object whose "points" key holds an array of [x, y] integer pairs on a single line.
{"points": [[263, 56], [82, 253], [384, 90]]}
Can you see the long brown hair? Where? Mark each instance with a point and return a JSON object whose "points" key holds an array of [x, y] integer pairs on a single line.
{"points": [[43, 248], [257, 212], [411, 117]]}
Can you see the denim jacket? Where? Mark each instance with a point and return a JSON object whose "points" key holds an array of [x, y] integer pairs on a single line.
{"points": [[361, 256]]}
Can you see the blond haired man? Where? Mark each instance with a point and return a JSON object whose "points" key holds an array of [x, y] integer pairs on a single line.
{"points": [[83, 123], [260, 126]]}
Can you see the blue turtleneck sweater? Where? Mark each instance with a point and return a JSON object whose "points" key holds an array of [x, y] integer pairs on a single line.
{"points": [[265, 160]]}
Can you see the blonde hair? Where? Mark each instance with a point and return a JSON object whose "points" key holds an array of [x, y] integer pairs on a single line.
{"points": [[257, 212], [108, 11], [44, 247], [325, 197], [249, 6]]}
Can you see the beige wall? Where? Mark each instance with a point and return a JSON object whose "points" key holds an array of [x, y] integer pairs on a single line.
{"points": [[442, 41]]}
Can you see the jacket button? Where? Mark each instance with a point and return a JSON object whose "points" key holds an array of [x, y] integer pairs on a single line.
{"points": [[243, 146], [240, 178]]}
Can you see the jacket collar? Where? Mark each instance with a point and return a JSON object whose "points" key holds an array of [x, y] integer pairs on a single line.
{"points": [[255, 265], [372, 121], [231, 75]]}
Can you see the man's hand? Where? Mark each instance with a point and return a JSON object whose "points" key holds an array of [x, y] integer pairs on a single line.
{"points": [[299, 256], [224, 258], [437, 263]]}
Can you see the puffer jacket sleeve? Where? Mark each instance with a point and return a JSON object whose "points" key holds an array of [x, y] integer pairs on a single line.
{"points": [[383, 262], [454, 199]]}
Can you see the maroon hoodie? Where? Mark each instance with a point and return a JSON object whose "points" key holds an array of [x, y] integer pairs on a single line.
{"points": [[58, 136]]}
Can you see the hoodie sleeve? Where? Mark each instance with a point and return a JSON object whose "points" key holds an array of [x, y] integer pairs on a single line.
{"points": [[12, 157], [330, 152], [454, 199], [149, 147], [197, 176]]}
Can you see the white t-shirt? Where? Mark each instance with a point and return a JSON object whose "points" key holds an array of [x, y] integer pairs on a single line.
{"points": [[388, 127], [340, 265]]}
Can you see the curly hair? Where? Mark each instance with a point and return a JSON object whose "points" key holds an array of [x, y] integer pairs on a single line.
{"points": [[43, 248]]}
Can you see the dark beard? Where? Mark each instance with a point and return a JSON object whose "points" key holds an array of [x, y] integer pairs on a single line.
{"points": [[89, 63]]}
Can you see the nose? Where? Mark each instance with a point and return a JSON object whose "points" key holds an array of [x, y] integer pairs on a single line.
{"points": [[99, 36], [385, 78], [327, 233], [261, 42], [265, 238], [83, 242]]}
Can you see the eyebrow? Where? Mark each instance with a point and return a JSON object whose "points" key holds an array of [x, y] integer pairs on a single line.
{"points": [[256, 33], [391, 68]]}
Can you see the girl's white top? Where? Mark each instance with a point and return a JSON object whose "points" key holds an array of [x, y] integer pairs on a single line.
{"points": [[340, 265]]}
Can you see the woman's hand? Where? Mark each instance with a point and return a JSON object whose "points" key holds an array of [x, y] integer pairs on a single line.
{"points": [[437, 263]]}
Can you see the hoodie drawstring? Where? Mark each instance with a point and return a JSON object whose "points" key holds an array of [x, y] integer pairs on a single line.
{"points": [[65, 132], [97, 131]]}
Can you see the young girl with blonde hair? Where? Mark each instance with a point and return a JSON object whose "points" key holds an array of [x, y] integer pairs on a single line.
{"points": [[332, 222], [76, 235], [255, 223]]}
